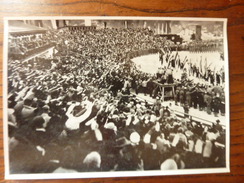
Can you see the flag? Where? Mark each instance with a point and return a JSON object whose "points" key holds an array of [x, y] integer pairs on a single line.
{"points": [[200, 66], [205, 67]]}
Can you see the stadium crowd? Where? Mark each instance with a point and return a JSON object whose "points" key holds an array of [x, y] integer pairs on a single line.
{"points": [[205, 46], [79, 112]]}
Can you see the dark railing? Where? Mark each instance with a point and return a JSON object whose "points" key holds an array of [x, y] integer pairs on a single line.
{"points": [[206, 122]]}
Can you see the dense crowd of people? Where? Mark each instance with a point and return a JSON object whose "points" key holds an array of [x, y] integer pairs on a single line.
{"points": [[201, 46], [78, 111], [205, 46]]}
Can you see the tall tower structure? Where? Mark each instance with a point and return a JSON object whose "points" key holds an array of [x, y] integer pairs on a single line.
{"points": [[166, 27], [198, 32]]}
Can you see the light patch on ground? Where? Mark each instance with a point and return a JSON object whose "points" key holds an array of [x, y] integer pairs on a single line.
{"points": [[148, 63]]}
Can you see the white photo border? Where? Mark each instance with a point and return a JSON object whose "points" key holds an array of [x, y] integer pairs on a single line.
{"points": [[118, 173]]}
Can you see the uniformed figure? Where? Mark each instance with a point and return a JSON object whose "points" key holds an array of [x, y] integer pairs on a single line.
{"points": [[182, 96], [177, 95], [222, 104], [188, 97], [205, 96], [194, 97], [186, 110], [208, 99], [200, 100], [216, 104]]}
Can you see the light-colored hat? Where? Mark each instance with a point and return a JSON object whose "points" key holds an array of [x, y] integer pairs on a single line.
{"points": [[46, 107], [111, 126], [169, 164], [135, 137], [93, 160]]}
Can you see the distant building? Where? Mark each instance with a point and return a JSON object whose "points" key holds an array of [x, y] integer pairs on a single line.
{"points": [[84, 28], [156, 26], [61, 23], [26, 29]]}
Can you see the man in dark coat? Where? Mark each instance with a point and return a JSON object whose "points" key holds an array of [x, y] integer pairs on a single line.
{"points": [[177, 95], [182, 96], [208, 99], [216, 104]]}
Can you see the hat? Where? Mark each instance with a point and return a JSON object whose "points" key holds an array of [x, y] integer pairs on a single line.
{"points": [[138, 106], [93, 160], [169, 164], [147, 138], [114, 116], [46, 107], [188, 133], [135, 137], [180, 130], [111, 126]]}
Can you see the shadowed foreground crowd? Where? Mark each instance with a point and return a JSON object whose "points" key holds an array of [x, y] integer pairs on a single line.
{"points": [[77, 112]]}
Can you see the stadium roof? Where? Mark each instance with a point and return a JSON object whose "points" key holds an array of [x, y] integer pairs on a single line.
{"points": [[19, 28]]}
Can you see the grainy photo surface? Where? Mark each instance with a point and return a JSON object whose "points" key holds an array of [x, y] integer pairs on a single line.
{"points": [[98, 97]]}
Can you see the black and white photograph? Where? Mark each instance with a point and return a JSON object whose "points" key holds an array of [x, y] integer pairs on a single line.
{"points": [[115, 96]]}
